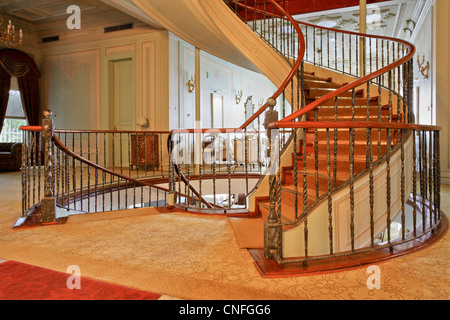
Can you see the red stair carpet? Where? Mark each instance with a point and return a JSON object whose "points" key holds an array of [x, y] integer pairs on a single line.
{"points": [[19, 281]]}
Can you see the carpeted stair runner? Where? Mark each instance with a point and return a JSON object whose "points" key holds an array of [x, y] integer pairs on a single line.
{"points": [[316, 87]]}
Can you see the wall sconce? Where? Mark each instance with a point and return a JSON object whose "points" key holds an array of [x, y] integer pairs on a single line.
{"points": [[142, 122], [424, 70], [407, 28], [261, 102], [239, 96], [191, 84]]}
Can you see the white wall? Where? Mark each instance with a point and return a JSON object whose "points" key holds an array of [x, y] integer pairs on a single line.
{"points": [[76, 77], [216, 76], [425, 109], [442, 84]]}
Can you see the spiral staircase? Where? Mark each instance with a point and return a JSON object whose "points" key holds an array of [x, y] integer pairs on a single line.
{"points": [[347, 164], [347, 125]]}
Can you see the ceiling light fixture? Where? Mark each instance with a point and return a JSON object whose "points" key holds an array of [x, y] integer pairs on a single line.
{"points": [[8, 35]]}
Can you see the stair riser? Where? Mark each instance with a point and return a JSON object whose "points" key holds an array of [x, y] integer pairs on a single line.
{"points": [[288, 199], [348, 118], [317, 93], [348, 110], [344, 135], [310, 180], [343, 149], [342, 166], [345, 102], [310, 84]]}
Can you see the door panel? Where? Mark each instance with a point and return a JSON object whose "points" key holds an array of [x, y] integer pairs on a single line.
{"points": [[123, 108]]}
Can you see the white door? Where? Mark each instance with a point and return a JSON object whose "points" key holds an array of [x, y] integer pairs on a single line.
{"points": [[123, 108]]}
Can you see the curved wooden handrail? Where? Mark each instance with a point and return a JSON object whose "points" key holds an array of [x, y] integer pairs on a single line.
{"points": [[39, 128], [30, 128], [109, 131]]}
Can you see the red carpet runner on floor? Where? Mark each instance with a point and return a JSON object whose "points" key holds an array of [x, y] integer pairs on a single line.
{"points": [[19, 281]]}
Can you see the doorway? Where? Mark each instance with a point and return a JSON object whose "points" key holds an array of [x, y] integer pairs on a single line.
{"points": [[122, 108]]}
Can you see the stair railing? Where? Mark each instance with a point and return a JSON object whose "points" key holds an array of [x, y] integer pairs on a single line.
{"points": [[386, 69], [213, 158], [410, 171], [66, 172]]}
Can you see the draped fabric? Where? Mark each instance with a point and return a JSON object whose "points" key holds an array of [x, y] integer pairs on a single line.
{"points": [[29, 91], [14, 67], [5, 83], [15, 63]]}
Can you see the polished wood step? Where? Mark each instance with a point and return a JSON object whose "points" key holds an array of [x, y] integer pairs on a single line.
{"points": [[315, 84], [307, 77], [346, 101], [317, 93], [347, 111]]}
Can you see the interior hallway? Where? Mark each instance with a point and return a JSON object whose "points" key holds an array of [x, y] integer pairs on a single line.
{"points": [[196, 257]]}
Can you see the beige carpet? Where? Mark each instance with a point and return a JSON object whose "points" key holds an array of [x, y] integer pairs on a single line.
{"points": [[249, 233], [198, 257]]}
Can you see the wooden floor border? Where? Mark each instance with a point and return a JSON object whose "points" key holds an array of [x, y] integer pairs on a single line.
{"points": [[272, 269]]}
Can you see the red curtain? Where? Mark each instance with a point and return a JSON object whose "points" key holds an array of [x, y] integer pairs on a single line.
{"points": [[29, 91], [15, 63], [5, 83]]}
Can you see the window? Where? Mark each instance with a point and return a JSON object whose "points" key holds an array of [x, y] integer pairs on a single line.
{"points": [[15, 116]]}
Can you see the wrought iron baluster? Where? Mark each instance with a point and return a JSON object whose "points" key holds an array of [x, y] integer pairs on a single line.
{"points": [[316, 155], [24, 173], [74, 175], [335, 142], [89, 173], [352, 192], [414, 188], [96, 172], [81, 172], [403, 186], [371, 192], [424, 177], [34, 164], [305, 197], [388, 187], [295, 173], [29, 150], [330, 203], [438, 173], [430, 177]]}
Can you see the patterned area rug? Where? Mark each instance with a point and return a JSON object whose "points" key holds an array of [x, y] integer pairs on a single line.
{"points": [[197, 257], [21, 281]]}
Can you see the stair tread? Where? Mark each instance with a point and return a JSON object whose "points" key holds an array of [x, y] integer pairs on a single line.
{"points": [[315, 84]]}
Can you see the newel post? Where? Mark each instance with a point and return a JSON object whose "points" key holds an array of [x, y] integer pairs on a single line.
{"points": [[48, 203], [272, 227]]}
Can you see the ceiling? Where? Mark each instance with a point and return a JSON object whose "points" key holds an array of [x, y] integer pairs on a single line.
{"points": [[394, 17], [44, 15], [398, 19]]}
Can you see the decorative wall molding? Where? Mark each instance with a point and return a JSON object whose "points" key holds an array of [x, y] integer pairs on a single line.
{"points": [[70, 68], [148, 82], [69, 63], [109, 51]]}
